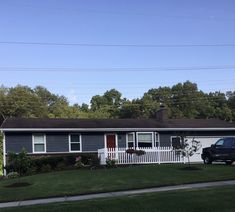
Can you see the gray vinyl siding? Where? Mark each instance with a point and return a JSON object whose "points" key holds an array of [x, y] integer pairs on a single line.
{"points": [[122, 140], [17, 142], [57, 142], [165, 140], [92, 142]]}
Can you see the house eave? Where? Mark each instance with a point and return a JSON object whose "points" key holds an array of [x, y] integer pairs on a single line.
{"points": [[112, 129]]}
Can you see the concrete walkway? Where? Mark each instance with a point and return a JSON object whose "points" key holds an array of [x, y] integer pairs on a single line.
{"points": [[116, 194]]}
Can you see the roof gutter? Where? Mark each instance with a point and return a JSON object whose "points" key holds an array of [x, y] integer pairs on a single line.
{"points": [[112, 129]]}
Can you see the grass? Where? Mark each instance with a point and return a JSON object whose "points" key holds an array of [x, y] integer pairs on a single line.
{"points": [[206, 200], [65, 183]]}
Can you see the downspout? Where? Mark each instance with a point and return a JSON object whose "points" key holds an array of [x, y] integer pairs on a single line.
{"points": [[4, 154]]}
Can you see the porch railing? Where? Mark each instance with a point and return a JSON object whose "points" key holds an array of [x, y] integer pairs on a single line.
{"points": [[152, 155]]}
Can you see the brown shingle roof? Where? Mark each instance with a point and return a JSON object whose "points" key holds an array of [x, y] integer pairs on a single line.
{"points": [[114, 123]]}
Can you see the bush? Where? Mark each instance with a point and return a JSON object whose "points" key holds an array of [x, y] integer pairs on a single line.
{"points": [[79, 163], [20, 163], [94, 161], [46, 168], [25, 165], [140, 152], [134, 151], [110, 163], [39, 163], [61, 166], [65, 161], [12, 175], [69, 160], [130, 151]]}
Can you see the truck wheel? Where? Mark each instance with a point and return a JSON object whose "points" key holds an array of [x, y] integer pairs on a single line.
{"points": [[207, 160]]}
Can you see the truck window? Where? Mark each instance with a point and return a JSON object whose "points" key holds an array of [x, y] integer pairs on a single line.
{"points": [[220, 142]]}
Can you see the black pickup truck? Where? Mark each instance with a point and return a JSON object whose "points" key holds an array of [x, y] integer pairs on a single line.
{"points": [[223, 150]]}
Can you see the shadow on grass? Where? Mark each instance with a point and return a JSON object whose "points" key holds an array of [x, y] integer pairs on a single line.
{"points": [[16, 185]]}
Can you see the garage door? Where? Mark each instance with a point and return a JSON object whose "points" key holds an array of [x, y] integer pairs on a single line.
{"points": [[205, 142]]}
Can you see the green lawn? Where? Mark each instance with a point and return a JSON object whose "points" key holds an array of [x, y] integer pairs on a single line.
{"points": [[206, 200], [86, 181]]}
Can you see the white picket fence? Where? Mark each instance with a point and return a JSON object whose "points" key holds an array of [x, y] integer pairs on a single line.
{"points": [[152, 155]]}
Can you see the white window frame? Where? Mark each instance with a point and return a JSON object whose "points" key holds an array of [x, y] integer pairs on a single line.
{"points": [[175, 136], [137, 138], [44, 142], [127, 141], [80, 141], [157, 138]]}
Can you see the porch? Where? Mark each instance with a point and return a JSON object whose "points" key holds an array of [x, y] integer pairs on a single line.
{"points": [[151, 155]]}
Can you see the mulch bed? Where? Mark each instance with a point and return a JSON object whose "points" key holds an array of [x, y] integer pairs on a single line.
{"points": [[16, 185]]}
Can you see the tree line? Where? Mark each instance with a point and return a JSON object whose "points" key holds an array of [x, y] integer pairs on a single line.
{"points": [[183, 100]]}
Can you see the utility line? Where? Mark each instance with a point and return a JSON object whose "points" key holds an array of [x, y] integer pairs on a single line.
{"points": [[112, 69], [118, 45]]}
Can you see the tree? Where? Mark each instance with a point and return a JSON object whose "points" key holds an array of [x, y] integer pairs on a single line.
{"points": [[188, 148], [19, 163], [183, 100], [108, 104], [231, 102], [130, 109], [21, 101]]}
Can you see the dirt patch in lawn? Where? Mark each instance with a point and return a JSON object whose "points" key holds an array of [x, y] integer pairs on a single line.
{"points": [[16, 185], [190, 168]]}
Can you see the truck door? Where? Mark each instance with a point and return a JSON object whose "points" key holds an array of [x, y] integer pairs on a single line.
{"points": [[218, 151], [228, 148], [233, 149]]}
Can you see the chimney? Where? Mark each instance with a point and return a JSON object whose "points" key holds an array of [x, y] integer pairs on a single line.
{"points": [[161, 114]]}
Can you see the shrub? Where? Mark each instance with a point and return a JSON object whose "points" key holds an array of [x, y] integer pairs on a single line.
{"points": [[130, 151], [69, 160], [79, 163], [140, 152], [61, 166], [12, 175], [134, 151], [94, 161], [20, 163], [110, 163], [48, 163], [46, 168], [51, 161]]}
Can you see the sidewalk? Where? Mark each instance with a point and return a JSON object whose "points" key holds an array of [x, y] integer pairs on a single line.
{"points": [[116, 194]]}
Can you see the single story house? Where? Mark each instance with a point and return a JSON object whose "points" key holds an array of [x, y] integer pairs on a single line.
{"points": [[44, 136]]}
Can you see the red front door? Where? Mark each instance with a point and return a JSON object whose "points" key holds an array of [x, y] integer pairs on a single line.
{"points": [[110, 141]]}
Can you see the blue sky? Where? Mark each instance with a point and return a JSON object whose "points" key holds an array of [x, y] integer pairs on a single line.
{"points": [[165, 22]]}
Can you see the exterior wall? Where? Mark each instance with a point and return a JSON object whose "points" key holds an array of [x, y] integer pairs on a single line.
{"points": [[122, 140], [57, 142], [92, 142], [15, 142], [165, 139]]}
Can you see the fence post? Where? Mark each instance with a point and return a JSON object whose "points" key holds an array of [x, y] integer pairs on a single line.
{"points": [[159, 157], [116, 154], [105, 153]]}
